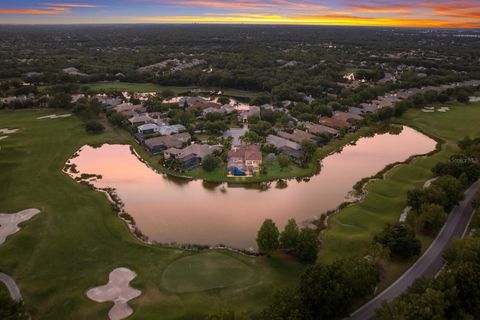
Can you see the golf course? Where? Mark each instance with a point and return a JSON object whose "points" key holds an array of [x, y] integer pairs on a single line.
{"points": [[77, 240]]}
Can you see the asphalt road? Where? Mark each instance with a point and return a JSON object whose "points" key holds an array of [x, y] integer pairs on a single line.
{"points": [[431, 262], [11, 286]]}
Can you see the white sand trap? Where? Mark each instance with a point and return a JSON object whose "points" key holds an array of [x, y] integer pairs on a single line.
{"points": [[427, 110], [55, 116], [8, 131], [428, 183], [117, 290], [3, 137], [444, 109], [9, 222]]}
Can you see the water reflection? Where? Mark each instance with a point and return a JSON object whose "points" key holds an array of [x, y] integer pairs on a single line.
{"points": [[168, 209]]}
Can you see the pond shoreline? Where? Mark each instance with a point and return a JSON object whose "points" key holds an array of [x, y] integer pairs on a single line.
{"points": [[320, 223]]}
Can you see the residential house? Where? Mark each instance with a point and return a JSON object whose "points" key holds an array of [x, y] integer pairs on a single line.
{"points": [[319, 129], [107, 101], [213, 110], [346, 116], [140, 119], [280, 142], [298, 156], [149, 128], [173, 129], [334, 123], [248, 112], [124, 107], [159, 144], [203, 105], [298, 136], [244, 160], [192, 155]]}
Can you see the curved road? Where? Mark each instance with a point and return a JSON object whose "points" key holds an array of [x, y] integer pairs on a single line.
{"points": [[11, 286], [431, 262]]}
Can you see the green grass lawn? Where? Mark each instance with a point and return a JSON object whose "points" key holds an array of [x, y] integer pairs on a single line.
{"points": [[150, 87], [351, 230], [205, 271], [77, 239]]}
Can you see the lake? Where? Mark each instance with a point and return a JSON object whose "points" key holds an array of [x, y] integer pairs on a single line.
{"points": [[175, 211]]}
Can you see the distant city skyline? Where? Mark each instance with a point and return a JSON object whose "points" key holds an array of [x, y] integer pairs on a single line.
{"points": [[408, 13]]}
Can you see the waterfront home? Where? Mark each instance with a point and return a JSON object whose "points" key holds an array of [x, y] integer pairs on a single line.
{"points": [[297, 156], [244, 160], [280, 142], [159, 144], [166, 130], [149, 128], [334, 123], [346, 116], [319, 129], [299, 135], [192, 155]]}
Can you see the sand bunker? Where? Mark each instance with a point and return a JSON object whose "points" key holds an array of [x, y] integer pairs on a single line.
{"points": [[118, 291], [55, 116], [8, 131], [428, 110], [3, 137], [9, 222], [444, 109]]}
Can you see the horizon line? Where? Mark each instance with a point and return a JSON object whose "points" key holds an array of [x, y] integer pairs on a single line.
{"points": [[235, 24]]}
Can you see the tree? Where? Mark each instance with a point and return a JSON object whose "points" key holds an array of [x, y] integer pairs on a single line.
{"points": [[262, 128], [289, 236], [431, 218], [328, 292], [267, 237], [167, 94], [94, 127], [223, 100], [400, 239], [284, 161], [261, 100], [60, 101], [376, 253], [11, 310], [430, 305], [210, 163], [307, 246], [117, 119], [309, 147]]}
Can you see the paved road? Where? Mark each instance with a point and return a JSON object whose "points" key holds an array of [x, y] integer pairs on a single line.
{"points": [[431, 262], [11, 286]]}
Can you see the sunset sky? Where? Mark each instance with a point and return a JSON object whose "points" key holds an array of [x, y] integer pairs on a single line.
{"points": [[408, 13]]}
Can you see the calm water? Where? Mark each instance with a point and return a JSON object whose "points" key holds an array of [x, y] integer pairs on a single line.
{"points": [[193, 212]]}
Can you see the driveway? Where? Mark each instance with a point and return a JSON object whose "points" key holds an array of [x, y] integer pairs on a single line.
{"points": [[431, 262]]}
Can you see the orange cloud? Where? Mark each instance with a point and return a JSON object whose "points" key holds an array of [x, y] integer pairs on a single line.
{"points": [[71, 5], [47, 11], [323, 19]]}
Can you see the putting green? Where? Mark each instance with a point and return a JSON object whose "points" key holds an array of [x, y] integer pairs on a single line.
{"points": [[204, 271]]}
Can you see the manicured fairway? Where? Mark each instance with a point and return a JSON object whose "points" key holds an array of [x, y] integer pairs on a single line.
{"points": [[352, 229], [209, 270], [149, 87], [77, 240]]}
